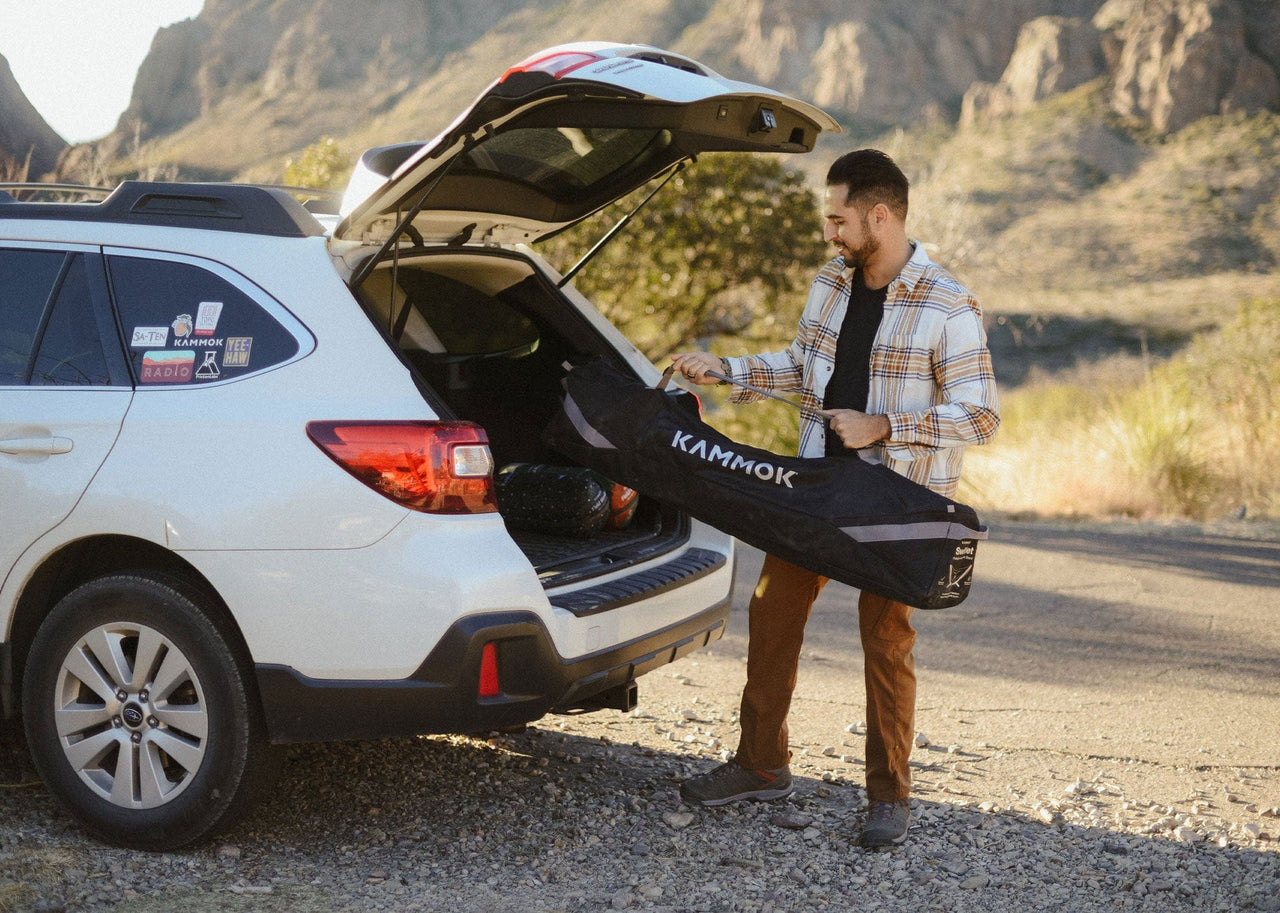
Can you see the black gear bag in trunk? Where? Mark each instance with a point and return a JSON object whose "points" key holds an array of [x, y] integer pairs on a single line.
{"points": [[840, 516]]}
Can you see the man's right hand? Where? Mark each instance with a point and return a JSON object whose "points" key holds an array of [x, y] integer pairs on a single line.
{"points": [[695, 365]]}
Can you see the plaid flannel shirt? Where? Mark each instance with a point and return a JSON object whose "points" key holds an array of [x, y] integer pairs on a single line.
{"points": [[931, 371]]}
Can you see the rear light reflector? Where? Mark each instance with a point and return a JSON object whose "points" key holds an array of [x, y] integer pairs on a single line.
{"points": [[433, 467], [556, 65], [489, 684], [472, 461]]}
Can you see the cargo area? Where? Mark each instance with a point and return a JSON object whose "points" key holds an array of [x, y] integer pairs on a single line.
{"points": [[487, 337]]}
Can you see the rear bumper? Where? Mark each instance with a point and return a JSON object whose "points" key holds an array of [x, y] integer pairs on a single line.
{"points": [[442, 695]]}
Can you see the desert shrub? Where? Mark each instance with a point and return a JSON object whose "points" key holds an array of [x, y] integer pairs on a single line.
{"points": [[321, 165], [1234, 376], [723, 254]]}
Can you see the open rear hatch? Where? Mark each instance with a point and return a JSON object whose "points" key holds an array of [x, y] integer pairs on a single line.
{"points": [[562, 135], [555, 139]]}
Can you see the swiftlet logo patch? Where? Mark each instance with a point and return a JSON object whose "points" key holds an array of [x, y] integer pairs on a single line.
{"points": [[714, 453], [955, 586]]}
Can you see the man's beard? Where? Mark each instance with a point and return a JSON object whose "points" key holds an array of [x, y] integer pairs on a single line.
{"points": [[857, 257]]}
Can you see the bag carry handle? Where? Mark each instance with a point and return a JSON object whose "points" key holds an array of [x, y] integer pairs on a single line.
{"points": [[808, 410]]}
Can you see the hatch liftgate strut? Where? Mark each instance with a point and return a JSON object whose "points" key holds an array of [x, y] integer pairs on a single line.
{"points": [[622, 223]]}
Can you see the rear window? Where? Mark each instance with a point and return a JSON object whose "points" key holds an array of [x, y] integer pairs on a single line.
{"points": [[566, 161], [185, 324]]}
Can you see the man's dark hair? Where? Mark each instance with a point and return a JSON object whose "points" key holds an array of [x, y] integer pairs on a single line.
{"points": [[872, 177]]}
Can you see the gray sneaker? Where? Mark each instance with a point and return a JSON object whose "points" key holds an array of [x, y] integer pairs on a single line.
{"points": [[731, 781], [887, 823]]}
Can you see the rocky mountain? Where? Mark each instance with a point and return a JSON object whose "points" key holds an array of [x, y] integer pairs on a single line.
{"points": [[1168, 62], [250, 82], [1095, 142], [27, 143]]}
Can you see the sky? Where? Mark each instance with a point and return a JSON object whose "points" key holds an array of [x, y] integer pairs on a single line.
{"points": [[83, 88]]}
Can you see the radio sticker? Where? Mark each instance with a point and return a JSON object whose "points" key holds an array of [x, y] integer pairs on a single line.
{"points": [[167, 367]]}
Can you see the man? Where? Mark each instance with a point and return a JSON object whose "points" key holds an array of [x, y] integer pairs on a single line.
{"points": [[891, 347]]}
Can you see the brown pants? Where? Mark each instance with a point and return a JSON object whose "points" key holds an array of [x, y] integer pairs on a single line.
{"points": [[778, 612]]}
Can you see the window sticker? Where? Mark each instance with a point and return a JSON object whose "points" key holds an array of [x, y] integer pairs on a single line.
{"points": [[192, 342], [207, 317], [167, 367], [149, 337], [236, 353], [208, 369], [182, 326]]}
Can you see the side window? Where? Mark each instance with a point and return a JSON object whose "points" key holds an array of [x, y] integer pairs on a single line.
{"points": [[27, 278], [187, 325], [70, 348], [46, 306]]}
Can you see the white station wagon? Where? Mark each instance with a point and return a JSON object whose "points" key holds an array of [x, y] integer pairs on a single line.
{"points": [[248, 453]]}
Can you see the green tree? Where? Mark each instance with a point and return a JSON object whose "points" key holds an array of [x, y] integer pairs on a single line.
{"points": [[726, 249], [321, 165]]}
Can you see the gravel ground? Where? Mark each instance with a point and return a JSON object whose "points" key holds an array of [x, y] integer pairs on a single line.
{"points": [[1098, 733], [583, 814]]}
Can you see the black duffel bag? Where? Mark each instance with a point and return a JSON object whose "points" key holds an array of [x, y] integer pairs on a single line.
{"points": [[840, 516], [562, 500]]}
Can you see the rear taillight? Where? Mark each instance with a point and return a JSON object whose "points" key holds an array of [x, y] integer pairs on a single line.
{"points": [[434, 467], [556, 65]]}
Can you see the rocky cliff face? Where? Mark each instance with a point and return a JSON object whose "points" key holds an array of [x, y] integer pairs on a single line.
{"points": [[877, 62], [385, 71], [1053, 54], [249, 82], [1180, 60], [1168, 62], [26, 141], [279, 47]]}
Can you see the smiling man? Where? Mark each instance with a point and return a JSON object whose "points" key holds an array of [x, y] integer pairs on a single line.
{"points": [[892, 349]]}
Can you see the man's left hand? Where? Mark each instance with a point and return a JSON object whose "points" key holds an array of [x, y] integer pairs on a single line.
{"points": [[857, 429], [695, 365]]}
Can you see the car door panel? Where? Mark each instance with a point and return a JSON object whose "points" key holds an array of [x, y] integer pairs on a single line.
{"points": [[64, 388], [52, 442]]}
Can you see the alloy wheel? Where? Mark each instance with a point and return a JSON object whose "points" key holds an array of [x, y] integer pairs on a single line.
{"points": [[131, 715]]}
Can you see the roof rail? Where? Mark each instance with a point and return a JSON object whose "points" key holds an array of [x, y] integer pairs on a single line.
{"points": [[313, 199], [244, 208], [26, 188]]}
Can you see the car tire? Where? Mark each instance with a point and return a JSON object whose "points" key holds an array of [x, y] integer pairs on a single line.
{"points": [[139, 715]]}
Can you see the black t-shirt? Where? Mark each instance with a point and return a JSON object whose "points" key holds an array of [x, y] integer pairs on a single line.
{"points": [[851, 378]]}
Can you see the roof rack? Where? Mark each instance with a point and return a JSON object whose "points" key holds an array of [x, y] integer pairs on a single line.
{"points": [[244, 208]]}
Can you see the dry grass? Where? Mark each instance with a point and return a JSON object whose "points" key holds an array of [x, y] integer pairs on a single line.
{"points": [[14, 897], [39, 872], [1196, 437], [1193, 436]]}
